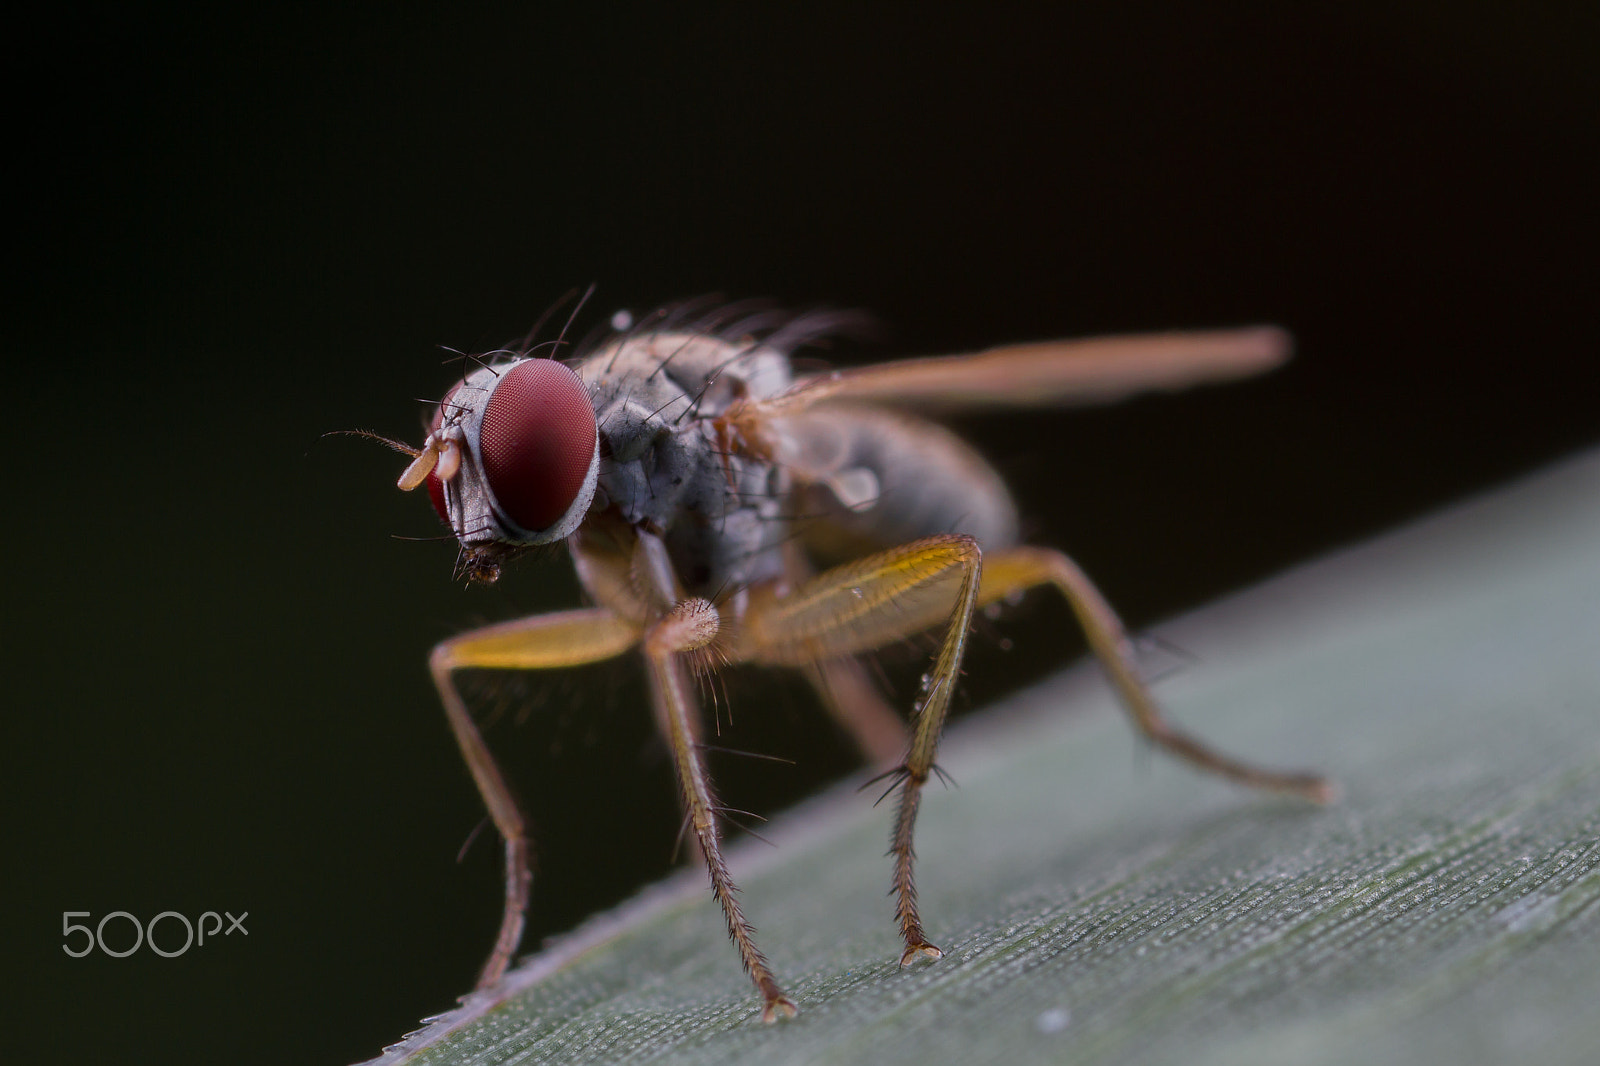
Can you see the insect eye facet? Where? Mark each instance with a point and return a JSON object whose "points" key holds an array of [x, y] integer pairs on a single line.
{"points": [[537, 442]]}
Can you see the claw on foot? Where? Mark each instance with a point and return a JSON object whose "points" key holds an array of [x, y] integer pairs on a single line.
{"points": [[781, 1007], [913, 950]]}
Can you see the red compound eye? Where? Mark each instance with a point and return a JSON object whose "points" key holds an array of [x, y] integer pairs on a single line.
{"points": [[436, 494], [537, 441], [435, 486]]}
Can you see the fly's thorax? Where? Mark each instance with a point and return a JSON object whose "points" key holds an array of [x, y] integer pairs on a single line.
{"points": [[655, 395], [690, 374]]}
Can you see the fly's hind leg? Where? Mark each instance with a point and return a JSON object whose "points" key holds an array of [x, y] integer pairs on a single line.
{"points": [[568, 638], [1012, 571], [899, 593], [864, 605], [848, 694]]}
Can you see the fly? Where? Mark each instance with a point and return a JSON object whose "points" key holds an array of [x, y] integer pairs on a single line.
{"points": [[694, 476]]}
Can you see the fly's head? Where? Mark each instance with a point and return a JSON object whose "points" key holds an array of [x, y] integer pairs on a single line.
{"points": [[511, 461]]}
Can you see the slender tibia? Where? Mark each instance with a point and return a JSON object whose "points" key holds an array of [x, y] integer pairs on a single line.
{"points": [[1012, 571]]}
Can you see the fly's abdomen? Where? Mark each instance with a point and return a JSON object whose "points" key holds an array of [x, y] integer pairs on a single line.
{"points": [[877, 478]]}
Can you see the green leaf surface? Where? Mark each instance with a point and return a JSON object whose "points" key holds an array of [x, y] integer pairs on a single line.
{"points": [[1098, 906]]}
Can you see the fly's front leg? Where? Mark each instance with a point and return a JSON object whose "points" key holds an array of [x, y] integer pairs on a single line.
{"points": [[569, 638], [690, 626], [864, 605], [1012, 571]]}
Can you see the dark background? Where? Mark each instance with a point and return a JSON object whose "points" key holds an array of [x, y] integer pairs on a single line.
{"points": [[239, 232]]}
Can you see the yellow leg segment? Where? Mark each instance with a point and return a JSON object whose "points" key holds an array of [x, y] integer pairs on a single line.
{"points": [[847, 691], [904, 591], [1013, 571], [569, 638], [863, 605]]}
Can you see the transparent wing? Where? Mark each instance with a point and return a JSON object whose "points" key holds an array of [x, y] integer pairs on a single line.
{"points": [[1054, 373]]}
